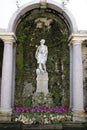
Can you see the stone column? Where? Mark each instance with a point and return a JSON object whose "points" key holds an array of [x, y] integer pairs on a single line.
{"points": [[6, 84], [71, 76], [78, 109], [13, 74]]}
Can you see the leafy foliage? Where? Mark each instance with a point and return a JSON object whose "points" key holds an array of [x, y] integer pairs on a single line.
{"points": [[40, 99]]}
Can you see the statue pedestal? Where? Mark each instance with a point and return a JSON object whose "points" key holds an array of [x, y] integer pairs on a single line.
{"points": [[42, 83], [42, 97]]}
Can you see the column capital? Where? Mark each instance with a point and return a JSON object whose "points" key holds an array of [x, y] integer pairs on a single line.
{"points": [[8, 37], [76, 41], [77, 38]]}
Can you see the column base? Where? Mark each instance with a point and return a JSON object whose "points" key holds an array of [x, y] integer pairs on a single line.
{"points": [[6, 111], [5, 116], [79, 116]]}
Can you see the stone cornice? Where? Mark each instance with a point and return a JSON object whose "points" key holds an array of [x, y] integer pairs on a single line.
{"points": [[8, 37], [77, 38]]}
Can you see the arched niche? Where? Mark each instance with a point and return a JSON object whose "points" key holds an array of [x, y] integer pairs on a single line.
{"points": [[64, 12], [34, 25]]}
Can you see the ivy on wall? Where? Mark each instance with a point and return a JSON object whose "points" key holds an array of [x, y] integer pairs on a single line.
{"points": [[34, 26]]}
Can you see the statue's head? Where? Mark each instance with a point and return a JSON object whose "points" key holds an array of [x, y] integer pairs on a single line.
{"points": [[42, 41]]}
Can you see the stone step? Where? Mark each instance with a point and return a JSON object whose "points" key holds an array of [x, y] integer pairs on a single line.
{"points": [[59, 126], [43, 127]]}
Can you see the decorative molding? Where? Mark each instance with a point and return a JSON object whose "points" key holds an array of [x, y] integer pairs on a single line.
{"points": [[77, 38], [78, 112], [64, 2], [8, 37], [17, 4], [43, 4]]}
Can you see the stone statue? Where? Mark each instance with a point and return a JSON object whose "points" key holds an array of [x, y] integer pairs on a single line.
{"points": [[41, 56]]}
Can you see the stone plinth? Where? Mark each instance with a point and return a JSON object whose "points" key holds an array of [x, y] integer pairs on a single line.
{"points": [[42, 97], [79, 116], [42, 83], [5, 116]]}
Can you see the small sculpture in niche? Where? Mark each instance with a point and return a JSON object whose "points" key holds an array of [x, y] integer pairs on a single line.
{"points": [[41, 56]]}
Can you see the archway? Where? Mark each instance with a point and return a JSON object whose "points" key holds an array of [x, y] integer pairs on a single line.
{"points": [[67, 15], [38, 24], [63, 14]]}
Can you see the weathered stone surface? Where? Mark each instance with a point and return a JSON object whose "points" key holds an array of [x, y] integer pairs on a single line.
{"points": [[42, 83]]}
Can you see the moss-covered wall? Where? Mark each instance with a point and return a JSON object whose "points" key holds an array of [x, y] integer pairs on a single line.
{"points": [[34, 26], [84, 60]]}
